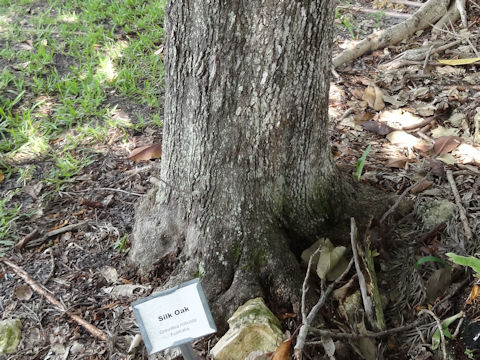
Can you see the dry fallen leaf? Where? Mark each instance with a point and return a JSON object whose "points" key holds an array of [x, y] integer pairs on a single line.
{"points": [[288, 316], [402, 138], [473, 294], [422, 186], [283, 350], [363, 116], [23, 292], [65, 223], [397, 163], [377, 127], [1, 176], [146, 153], [374, 97], [446, 144], [437, 168], [459, 61], [447, 159]]}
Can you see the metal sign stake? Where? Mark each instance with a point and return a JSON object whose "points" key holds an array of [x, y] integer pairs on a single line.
{"points": [[187, 351]]}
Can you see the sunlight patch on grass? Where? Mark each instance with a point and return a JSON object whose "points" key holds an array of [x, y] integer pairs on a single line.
{"points": [[106, 70], [35, 147], [68, 18]]}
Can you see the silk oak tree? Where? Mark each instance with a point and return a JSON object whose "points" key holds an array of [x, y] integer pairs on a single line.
{"points": [[246, 170]]}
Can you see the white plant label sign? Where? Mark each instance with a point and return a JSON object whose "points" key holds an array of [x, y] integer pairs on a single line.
{"points": [[174, 316]]}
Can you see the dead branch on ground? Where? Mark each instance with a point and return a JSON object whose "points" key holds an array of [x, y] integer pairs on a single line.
{"points": [[461, 209], [94, 331], [32, 242], [428, 14], [304, 328]]}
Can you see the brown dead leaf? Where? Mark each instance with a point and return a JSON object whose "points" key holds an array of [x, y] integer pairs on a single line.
{"points": [[437, 168], [374, 97], [109, 306], [283, 350], [398, 163], [362, 117], [65, 223], [288, 316], [342, 292], [357, 93], [23, 292], [146, 153], [446, 144], [422, 186], [377, 127], [473, 294], [1, 176], [92, 203]]}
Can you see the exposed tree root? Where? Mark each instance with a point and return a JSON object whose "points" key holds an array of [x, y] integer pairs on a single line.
{"points": [[451, 16], [427, 15]]}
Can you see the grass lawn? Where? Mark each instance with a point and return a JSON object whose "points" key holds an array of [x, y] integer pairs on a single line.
{"points": [[75, 77]]}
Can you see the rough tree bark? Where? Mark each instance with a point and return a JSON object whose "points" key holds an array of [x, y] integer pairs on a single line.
{"points": [[246, 167]]}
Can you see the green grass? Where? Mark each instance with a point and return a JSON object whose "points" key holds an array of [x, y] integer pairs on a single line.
{"points": [[61, 63], [8, 215]]}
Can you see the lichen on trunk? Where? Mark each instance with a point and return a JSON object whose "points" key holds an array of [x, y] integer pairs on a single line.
{"points": [[246, 166]]}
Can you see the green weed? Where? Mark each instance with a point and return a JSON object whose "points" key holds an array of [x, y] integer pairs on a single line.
{"points": [[121, 245], [348, 23], [361, 163]]}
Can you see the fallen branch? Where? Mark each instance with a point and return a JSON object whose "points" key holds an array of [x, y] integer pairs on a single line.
{"points": [[393, 14], [461, 209], [27, 238], [428, 14], [408, 3], [367, 301], [304, 328], [371, 334], [94, 331], [61, 230]]}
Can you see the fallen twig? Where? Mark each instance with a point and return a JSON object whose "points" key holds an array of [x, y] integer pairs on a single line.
{"points": [[400, 198], [408, 3], [62, 230], [440, 328], [133, 172], [393, 14], [367, 301], [27, 238], [302, 334], [52, 267], [461, 209], [379, 334], [305, 283], [94, 331]]}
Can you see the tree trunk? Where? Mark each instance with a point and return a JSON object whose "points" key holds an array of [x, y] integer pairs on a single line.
{"points": [[246, 168]]}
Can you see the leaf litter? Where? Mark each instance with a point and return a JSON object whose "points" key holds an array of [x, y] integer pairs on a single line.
{"points": [[429, 123]]}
